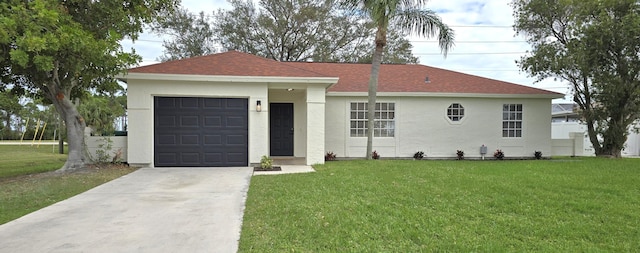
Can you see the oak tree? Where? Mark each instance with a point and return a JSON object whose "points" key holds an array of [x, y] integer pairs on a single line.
{"points": [[283, 30], [57, 49], [191, 35], [593, 45]]}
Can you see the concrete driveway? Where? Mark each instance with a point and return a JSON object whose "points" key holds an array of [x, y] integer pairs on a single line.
{"points": [[149, 210]]}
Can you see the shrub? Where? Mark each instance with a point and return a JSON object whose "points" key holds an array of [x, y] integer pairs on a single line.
{"points": [[499, 154], [104, 152], [330, 156], [460, 154], [418, 155], [375, 155], [537, 154], [266, 162]]}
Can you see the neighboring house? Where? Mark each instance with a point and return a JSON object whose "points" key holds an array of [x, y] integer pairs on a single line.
{"points": [[565, 121], [231, 108], [564, 113]]}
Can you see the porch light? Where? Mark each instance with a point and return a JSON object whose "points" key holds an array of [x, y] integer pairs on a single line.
{"points": [[258, 106], [290, 89]]}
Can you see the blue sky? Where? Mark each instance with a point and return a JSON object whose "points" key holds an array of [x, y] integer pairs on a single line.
{"points": [[486, 44]]}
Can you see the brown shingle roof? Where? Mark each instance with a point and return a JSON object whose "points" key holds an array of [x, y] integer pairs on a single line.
{"points": [[231, 63], [353, 77], [412, 78]]}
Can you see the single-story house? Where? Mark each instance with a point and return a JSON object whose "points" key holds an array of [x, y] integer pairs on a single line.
{"points": [[230, 109]]}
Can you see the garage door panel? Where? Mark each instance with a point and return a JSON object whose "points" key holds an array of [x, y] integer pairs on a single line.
{"points": [[164, 102], [235, 121], [190, 158], [236, 104], [212, 121], [212, 140], [186, 103], [236, 158], [166, 121], [236, 140], [189, 121], [212, 104], [213, 157], [190, 140], [166, 140], [203, 135], [166, 158]]}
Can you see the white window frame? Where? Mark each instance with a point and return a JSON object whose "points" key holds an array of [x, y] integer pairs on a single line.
{"points": [[512, 120], [384, 122]]}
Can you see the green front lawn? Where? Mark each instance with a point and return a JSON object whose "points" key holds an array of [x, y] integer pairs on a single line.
{"points": [[23, 189], [16, 160], [560, 205]]}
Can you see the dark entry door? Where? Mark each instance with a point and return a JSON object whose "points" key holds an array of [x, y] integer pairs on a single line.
{"points": [[192, 131], [281, 129]]}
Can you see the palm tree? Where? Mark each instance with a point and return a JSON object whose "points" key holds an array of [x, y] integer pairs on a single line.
{"points": [[409, 16]]}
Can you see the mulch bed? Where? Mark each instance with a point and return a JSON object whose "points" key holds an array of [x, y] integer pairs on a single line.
{"points": [[274, 168]]}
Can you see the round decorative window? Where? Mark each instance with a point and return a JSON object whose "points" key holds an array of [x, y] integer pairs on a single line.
{"points": [[455, 112]]}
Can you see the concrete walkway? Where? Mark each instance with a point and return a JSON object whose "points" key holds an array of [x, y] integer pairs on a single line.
{"points": [[149, 210]]}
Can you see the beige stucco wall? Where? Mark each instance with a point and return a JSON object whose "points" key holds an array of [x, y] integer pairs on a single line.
{"points": [[308, 120], [307, 97], [140, 109], [118, 146], [316, 122], [422, 124]]}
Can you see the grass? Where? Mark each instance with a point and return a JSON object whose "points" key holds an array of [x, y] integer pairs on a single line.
{"points": [[23, 191], [569, 205], [26, 159]]}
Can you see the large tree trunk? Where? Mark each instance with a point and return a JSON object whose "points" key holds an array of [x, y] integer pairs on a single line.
{"points": [[593, 136], [373, 87], [615, 136], [75, 128], [75, 135]]}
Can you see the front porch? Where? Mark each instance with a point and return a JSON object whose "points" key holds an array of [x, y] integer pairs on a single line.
{"points": [[296, 123]]}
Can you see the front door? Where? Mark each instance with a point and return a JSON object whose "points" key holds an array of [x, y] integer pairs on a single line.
{"points": [[281, 129]]}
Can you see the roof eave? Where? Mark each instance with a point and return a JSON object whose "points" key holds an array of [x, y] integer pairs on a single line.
{"points": [[444, 94], [327, 81]]}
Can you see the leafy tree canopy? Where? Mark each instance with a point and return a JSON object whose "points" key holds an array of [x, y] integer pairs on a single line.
{"points": [[593, 45], [192, 35], [101, 111], [57, 49], [10, 107], [289, 30]]}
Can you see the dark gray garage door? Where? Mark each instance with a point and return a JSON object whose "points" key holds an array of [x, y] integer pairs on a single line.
{"points": [[200, 132]]}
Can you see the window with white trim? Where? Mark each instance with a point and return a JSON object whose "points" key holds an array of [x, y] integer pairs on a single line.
{"points": [[384, 121], [512, 120], [455, 112]]}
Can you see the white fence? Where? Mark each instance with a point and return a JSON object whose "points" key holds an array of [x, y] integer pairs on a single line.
{"points": [[110, 148], [570, 138], [574, 146]]}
